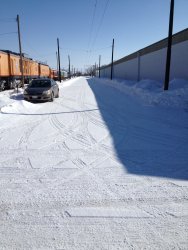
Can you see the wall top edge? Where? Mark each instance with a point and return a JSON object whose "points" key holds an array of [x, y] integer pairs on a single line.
{"points": [[176, 38]]}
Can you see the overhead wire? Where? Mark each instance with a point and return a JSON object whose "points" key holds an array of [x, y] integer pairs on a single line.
{"points": [[92, 23], [101, 21], [91, 29], [7, 20], [98, 29], [34, 51], [101, 48], [84, 50], [70, 49], [8, 33]]}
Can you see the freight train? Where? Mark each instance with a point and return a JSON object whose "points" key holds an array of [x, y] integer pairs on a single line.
{"points": [[10, 70]]}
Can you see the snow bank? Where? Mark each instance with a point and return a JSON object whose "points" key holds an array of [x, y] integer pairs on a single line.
{"points": [[152, 93], [149, 91], [5, 98], [67, 83], [8, 95], [20, 107], [11, 102]]}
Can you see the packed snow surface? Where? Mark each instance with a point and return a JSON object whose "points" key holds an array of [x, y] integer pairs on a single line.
{"points": [[104, 166]]}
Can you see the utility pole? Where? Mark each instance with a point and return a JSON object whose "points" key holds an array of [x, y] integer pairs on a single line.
{"points": [[20, 48], [99, 66], [112, 64], [59, 59], [69, 66], [138, 74], [168, 56]]}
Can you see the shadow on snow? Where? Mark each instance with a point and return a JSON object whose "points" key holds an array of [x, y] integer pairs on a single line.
{"points": [[148, 140]]}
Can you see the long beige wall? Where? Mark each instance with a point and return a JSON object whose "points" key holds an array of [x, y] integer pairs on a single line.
{"points": [[150, 62]]}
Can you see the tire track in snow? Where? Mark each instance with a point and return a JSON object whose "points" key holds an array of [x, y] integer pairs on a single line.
{"points": [[83, 168], [23, 141], [70, 131]]}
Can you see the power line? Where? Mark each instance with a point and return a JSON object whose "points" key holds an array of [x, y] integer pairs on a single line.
{"points": [[8, 33], [70, 49], [7, 20], [84, 50], [99, 27], [101, 21], [100, 49], [36, 52], [92, 24], [91, 31], [92, 53]]}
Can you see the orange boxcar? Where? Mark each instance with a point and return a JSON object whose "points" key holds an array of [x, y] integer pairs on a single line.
{"points": [[34, 69], [4, 69], [44, 70], [10, 69], [53, 74]]}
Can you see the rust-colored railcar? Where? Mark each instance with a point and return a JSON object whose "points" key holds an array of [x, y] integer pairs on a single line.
{"points": [[4, 69], [44, 70], [4, 66], [53, 74], [10, 69], [34, 69]]}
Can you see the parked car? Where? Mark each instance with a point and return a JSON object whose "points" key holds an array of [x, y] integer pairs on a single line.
{"points": [[41, 89]]}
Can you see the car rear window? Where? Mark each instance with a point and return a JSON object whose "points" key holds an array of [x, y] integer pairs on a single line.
{"points": [[40, 84]]}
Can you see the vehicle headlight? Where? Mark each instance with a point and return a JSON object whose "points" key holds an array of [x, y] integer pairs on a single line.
{"points": [[25, 92], [47, 92]]}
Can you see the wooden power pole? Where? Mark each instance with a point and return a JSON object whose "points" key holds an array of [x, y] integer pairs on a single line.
{"points": [[168, 57], [99, 66], [59, 59], [69, 67], [20, 48], [112, 64]]}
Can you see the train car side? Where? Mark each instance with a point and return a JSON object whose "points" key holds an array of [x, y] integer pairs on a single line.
{"points": [[53, 74], [34, 69], [44, 70], [4, 69], [10, 70], [10, 75], [30, 69]]}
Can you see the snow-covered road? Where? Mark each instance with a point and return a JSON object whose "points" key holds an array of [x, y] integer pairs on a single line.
{"points": [[95, 169]]}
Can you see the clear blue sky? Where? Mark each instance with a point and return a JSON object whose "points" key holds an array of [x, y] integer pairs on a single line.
{"points": [[86, 27]]}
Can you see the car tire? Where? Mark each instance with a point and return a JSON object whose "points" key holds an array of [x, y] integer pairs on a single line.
{"points": [[52, 97], [57, 96], [2, 86], [11, 85]]}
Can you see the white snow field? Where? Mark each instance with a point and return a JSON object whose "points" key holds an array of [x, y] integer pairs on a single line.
{"points": [[105, 167]]}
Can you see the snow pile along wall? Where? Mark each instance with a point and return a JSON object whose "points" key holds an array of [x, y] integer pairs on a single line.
{"points": [[150, 62]]}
